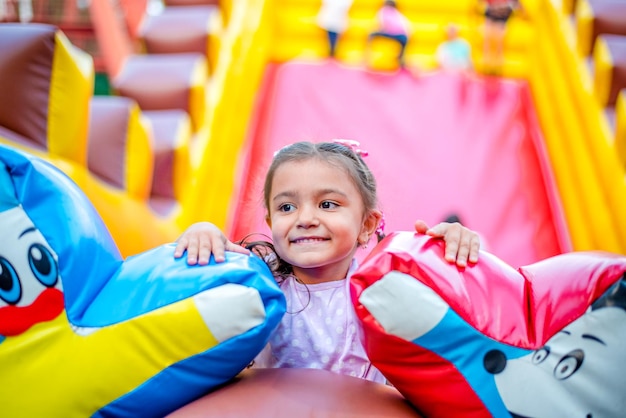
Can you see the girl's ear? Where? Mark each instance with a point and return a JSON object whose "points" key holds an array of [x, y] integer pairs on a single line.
{"points": [[370, 223]]}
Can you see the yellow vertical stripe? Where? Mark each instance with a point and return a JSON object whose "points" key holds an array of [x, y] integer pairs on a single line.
{"points": [[71, 88]]}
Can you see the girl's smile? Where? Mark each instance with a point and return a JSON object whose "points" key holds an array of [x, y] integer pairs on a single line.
{"points": [[308, 240]]}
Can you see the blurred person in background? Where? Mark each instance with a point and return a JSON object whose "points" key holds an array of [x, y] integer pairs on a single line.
{"points": [[333, 18], [392, 24], [455, 53], [497, 14]]}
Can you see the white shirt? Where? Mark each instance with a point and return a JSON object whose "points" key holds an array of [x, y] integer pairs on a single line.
{"points": [[333, 15]]}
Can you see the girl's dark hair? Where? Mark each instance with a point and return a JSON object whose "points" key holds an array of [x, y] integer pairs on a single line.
{"points": [[341, 156], [614, 296]]}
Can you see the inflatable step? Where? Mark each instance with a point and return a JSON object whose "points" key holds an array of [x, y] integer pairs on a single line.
{"points": [[609, 63], [172, 163], [182, 29], [120, 145], [596, 17], [46, 84], [165, 82]]}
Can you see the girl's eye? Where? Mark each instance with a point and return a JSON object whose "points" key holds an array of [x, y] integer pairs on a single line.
{"points": [[328, 205], [286, 207]]}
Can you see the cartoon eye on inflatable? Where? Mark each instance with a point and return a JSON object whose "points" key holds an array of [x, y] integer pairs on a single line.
{"points": [[43, 265], [569, 364], [10, 286], [540, 355]]}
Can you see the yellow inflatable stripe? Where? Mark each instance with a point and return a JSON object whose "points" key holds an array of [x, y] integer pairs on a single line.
{"points": [[567, 6], [550, 87], [602, 66], [182, 160], [139, 153], [591, 183], [244, 53], [129, 353], [584, 27], [71, 88], [198, 95], [216, 28], [620, 127]]}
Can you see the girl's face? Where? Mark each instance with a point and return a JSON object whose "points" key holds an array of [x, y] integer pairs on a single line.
{"points": [[317, 219]]}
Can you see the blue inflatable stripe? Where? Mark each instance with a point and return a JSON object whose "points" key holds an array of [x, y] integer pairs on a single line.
{"points": [[466, 351]]}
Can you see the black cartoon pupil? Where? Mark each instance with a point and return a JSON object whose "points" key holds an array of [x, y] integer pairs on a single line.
{"points": [[41, 263], [6, 280]]}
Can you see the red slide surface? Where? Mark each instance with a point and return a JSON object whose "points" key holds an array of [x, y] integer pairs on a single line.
{"points": [[438, 144]]}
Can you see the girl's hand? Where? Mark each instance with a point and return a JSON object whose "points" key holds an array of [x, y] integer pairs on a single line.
{"points": [[462, 244], [201, 240]]}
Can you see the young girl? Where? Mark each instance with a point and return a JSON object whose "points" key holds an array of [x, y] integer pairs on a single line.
{"points": [[321, 206]]}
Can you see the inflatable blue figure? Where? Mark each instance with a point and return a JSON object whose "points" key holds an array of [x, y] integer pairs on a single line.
{"points": [[85, 333]]}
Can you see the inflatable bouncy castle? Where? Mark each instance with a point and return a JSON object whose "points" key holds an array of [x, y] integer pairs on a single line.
{"points": [[199, 95]]}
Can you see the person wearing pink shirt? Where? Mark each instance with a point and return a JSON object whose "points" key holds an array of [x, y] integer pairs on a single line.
{"points": [[394, 25]]}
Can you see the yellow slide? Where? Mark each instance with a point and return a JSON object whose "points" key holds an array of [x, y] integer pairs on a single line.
{"points": [[539, 48]]}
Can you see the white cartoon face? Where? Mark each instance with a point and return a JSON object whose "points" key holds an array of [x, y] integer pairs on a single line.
{"points": [[30, 286], [580, 372]]}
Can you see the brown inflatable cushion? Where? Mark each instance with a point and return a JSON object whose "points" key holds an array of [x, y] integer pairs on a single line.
{"points": [[178, 29], [165, 82], [609, 17], [299, 393], [617, 49], [25, 77], [108, 133]]}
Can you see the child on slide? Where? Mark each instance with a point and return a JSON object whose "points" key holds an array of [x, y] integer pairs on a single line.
{"points": [[392, 24]]}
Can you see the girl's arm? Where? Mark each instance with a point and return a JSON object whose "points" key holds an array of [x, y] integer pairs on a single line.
{"points": [[462, 244], [201, 240]]}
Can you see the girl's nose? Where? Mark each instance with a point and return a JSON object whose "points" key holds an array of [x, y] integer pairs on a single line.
{"points": [[307, 217]]}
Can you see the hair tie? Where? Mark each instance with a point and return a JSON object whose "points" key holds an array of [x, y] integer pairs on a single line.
{"points": [[353, 145]]}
